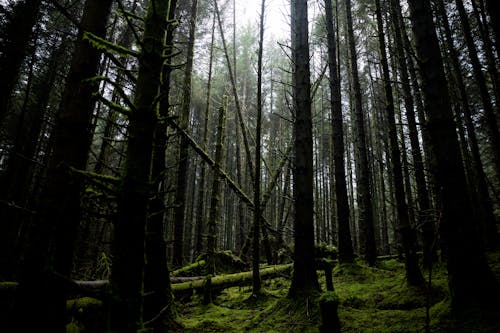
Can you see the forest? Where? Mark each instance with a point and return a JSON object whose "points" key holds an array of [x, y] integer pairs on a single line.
{"points": [[173, 166]]}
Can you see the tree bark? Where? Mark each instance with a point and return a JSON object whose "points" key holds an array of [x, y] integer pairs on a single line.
{"points": [[458, 232], [364, 198], [304, 279], [346, 252]]}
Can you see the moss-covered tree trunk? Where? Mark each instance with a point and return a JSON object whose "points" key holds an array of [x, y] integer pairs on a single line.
{"points": [[304, 278], [346, 252], [459, 234], [126, 279], [52, 235], [213, 213]]}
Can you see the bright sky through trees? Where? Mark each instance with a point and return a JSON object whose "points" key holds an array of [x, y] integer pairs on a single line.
{"points": [[276, 24]]}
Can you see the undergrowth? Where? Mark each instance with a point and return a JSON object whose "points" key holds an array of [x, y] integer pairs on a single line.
{"points": [[371, 299]]}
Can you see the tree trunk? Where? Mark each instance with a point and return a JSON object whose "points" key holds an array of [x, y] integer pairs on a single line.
{"points": [[458, 233], [304, 279], [413, 273], [53, 232], [215, 196], [17, 35], [489, 111], [484, 210], [126, 282], [364, 198], [183, 166], [346, 252]]}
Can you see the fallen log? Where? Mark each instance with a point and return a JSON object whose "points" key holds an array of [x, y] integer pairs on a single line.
{"points": [[220, 282]]}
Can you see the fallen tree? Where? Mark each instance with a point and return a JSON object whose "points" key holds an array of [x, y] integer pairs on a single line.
{"points": [[220, 282]]}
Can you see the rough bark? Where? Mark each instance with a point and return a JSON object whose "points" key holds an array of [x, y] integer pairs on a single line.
{"points": [[304, 279]]}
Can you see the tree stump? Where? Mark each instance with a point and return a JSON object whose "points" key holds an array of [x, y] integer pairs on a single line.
{"points": [[329, 303]]}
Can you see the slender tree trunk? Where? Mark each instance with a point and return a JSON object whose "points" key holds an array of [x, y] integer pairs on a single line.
{"points": [[213, 214], [182, 169], [364, 199], [304, 279], [346, 252], [200, 216], [458, 233]]}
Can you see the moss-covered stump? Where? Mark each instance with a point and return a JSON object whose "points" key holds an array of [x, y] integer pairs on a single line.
{"points": [[328, 304], [85, 315]]}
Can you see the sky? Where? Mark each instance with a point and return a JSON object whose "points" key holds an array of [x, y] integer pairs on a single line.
{"points": [[276, 16]]}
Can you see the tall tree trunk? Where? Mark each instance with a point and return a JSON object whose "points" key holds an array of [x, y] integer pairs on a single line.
{"points": [[200, 216], [304, 279], [424, 220], [484, 209], [458, 232], [413, 273], [157, 307], [346, 252], [215, 199], [18, 31], [489, 112], [256, 283], [126, 281], [364, 198], [53, 232], [183, 166]]}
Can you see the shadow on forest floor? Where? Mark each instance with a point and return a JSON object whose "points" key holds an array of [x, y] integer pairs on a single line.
{"points": [[371, 300]]}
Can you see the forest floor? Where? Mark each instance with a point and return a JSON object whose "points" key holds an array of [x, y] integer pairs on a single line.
{"points": [[372, 299]]}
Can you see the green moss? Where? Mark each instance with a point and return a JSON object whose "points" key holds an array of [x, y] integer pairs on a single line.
{"points": [[371, 299], [329, 296]]}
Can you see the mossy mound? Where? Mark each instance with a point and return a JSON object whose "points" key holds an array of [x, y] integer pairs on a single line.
{"points": [[225, 263], [85, 314]]}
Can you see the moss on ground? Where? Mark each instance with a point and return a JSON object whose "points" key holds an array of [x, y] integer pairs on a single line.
{"points": [[371, 299]]}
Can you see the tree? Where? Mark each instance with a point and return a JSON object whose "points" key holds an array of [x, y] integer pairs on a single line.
{"points": [[182, 169], [413, 274], [49, 252], [304, 279], [346, 253], [126, 279], [14, 43], [256, 286], [363, 173], [458, 231]]}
